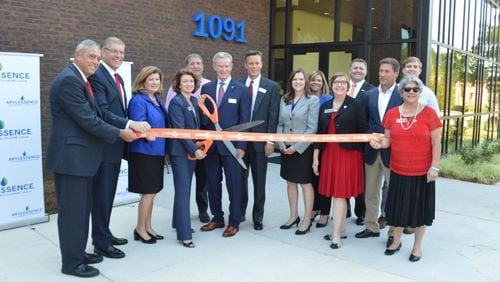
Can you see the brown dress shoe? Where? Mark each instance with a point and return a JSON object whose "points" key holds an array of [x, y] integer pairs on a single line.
{"points": [[230, 231], [212, 225]]}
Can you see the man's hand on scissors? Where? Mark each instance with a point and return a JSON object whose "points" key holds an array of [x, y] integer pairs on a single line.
{"points": [[240, 152]]}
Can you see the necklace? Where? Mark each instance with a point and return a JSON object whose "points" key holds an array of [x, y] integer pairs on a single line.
{"points": [[410, 121]]}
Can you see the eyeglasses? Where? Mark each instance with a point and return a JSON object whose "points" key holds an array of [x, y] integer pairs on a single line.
{"points": [[114, 52], [339, 82], [412, 89]]}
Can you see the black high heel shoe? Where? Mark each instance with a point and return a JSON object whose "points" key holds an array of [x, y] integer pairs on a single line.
{"points": [[157, 236], [321, 225], [299, 232], [296, 222], [138, 237], [189, 244], [316, 213]]}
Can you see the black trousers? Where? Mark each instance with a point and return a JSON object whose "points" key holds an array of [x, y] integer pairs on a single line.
{"points": [[257, 162]]}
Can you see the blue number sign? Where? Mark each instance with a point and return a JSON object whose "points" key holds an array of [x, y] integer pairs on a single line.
{"points": [[216, 27]]}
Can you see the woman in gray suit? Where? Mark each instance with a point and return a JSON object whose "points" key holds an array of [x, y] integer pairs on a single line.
{"points": [[298, 115]]}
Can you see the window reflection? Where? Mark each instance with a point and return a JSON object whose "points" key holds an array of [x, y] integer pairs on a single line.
{"points": [[312, 21]]}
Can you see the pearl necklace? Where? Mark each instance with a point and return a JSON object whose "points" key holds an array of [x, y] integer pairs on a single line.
{"points": [[410, 123]]}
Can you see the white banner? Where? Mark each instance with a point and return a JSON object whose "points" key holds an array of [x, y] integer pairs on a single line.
{"points": [[122, 195], [21, 180]]}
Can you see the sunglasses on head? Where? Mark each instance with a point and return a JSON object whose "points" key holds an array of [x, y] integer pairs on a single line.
{"points": [[412, 89]]}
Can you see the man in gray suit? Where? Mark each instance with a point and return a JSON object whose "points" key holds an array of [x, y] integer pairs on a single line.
{"points": [[265, 106], [74, 154]]}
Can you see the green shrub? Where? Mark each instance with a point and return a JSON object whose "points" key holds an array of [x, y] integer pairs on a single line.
{"points": [[482, 153]]}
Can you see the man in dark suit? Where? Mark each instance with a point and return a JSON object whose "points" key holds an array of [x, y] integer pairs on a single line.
{"points": [[265, 105], [74, 153], [110, 95], [376, 103], [233, 100], [358, 88]]}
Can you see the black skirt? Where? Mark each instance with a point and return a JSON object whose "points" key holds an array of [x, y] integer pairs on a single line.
{"points": [[411, 201], [297, 168], [145, 173]]}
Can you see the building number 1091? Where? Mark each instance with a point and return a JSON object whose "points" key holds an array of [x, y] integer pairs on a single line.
{"points": [[216, 27]]}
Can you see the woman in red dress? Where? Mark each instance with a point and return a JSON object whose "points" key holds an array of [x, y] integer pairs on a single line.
{"points": [[341, 170], [413, 131]]}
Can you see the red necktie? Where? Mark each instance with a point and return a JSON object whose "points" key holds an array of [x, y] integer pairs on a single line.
{"points": [[89, 87], [119, 86], [250, 88]]}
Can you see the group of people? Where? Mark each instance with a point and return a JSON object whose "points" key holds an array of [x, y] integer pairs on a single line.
{"points": [[92, 121]]}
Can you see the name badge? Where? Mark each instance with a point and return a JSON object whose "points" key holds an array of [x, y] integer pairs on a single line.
{"points": [[328, 111], [232, 101], [190, 109], [262, 90], [401, 120]]}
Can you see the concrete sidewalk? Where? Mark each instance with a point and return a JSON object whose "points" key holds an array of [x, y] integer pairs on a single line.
{"points": [[462, 245]]}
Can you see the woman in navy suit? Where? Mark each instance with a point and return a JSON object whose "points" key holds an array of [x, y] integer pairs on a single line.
{"points": [[146, 157], [298, 115], [184, 113]]}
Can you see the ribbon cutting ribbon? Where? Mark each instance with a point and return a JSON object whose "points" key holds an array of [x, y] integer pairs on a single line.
{"points": [[257, 137]]}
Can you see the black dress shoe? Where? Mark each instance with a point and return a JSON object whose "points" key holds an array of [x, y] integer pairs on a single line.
{"points": [[83, 270], [414, 258], [91, 258], [258, 225], [203, 216], [367, 233], [390, 239], [302, 232], [389, 252], [118, 241], [160, 237], [360, 221], [110, 252], [335, 245]]}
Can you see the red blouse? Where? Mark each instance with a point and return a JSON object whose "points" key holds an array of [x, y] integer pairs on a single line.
{"points": [[411, 149]]}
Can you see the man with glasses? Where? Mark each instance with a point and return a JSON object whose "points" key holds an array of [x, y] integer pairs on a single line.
{"points": [[111, 98], [376, 103]]}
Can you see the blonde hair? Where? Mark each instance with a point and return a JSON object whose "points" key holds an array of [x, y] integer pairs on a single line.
{"points": [[143, 75]]}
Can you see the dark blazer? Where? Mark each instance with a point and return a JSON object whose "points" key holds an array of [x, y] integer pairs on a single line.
{"points": [[234, 109], [362, 92], [107, 96], [266, 108], [78, 131], [350, 118], [181, 115], [370, 103]]}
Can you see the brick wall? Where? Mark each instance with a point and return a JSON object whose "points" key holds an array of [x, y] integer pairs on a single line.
{"points": [[155, 33]]}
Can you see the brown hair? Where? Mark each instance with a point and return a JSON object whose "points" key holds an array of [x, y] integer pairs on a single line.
{"points": [[143, 75], [324, 88], [290, 94], [176, 80], [390, 61], [340, 74]]}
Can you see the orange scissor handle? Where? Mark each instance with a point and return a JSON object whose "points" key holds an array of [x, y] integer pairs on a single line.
{"points": [[214, 117], [202, 145]]}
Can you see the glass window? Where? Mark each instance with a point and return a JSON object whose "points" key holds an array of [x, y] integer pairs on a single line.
{"points": [[380, 51], [435, 24], [459, 23], [278, 68], [338, 61], [312, 21], [404, 19], [278, 22], [307, 61], [377, 9], [352, 20]]}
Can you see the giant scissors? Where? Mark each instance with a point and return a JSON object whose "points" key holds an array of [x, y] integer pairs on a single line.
{"points": [[214, 118]]}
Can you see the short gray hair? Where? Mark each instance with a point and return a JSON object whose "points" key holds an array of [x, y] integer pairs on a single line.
{"points": [[86, 43], [192, 55], [112, 40], [222, 55], [407, 80]]}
